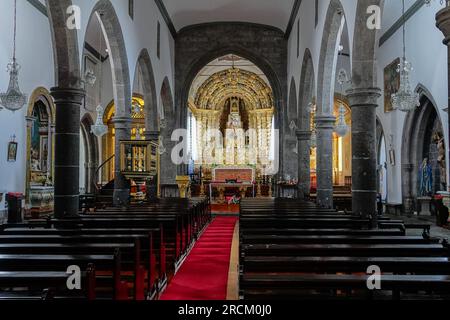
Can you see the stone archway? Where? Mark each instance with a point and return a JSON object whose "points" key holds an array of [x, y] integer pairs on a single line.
{"points": [[306, 96], [418, 143], [144, 64], [264, 46], [382, 162], [168, 170], [91, 148], [112, 32], [325, 120]]}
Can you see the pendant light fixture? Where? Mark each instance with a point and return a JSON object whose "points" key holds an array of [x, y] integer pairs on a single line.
{"points": [[405, 100], [13, 99], [99, 129]]}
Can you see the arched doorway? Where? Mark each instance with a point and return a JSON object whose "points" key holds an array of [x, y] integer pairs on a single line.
{"points": [[40, 153], [231, 124], [423, 152]]}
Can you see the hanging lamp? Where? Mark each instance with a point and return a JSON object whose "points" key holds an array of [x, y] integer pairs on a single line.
{"points": [[99, 129], [13, 99]]}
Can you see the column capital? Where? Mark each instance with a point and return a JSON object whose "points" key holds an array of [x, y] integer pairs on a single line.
{"points": [[67, 95], [363, 97], [121, 122], [325, 122], [443, 23], [303, 135]]}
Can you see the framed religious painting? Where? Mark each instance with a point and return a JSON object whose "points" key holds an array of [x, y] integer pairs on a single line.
{"points": [[391, 84], [12, 151]]}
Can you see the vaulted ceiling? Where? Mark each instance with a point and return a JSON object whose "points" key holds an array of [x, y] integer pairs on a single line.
{"points": [[269, 12]]}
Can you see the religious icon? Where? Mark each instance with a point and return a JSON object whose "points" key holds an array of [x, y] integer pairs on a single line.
{"points": [[391, 84], [12, 151], [425, 178]]}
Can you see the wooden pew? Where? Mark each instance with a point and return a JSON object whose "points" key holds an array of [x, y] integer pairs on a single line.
{"points": [[37, 282]]}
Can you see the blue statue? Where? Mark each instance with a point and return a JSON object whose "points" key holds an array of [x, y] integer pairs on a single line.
{"points": [[425, 179]]}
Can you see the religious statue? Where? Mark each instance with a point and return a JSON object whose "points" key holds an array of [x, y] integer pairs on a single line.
{"points": [[425, 179], [438, 138]]}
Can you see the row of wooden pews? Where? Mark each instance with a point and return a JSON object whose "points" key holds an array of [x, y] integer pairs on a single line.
{"points": [[123, 253], [291, 249]]}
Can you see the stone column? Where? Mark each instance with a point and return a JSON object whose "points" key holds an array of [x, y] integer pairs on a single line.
{"points": [[68, 103], [363, 103], [121, 184], [304, 163], [325, 127], [443, 24], [407, 185]]}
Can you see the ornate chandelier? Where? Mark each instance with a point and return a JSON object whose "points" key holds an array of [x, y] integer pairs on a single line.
{"points": [[405, 100], [13, 99], [99, 128]]}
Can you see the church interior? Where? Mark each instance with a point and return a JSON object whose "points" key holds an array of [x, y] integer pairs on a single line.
{"points": [[224, 150]]}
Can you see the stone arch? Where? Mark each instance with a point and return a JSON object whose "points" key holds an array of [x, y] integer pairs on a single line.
{"points": [[417, 142], [150, 95], [364, 74], [306, 90], [112, 32], [65, 45], [325, 120], [91, 148], [306, 95], [168, 169], [290, 169], [239, 51], [333, 28]]}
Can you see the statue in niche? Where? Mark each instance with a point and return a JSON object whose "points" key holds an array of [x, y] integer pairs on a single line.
{"points": [[426, 179], [438, 138]]}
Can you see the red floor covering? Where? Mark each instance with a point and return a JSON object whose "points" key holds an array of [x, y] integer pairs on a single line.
{"points": [[204, 274]]}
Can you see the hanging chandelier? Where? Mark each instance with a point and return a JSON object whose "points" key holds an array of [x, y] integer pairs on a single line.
{"points": [[13, 99], [341, 129], [405, 100], [99, 129]]}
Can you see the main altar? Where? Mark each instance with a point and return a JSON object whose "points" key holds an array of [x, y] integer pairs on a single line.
{"points": [[234, 155]]}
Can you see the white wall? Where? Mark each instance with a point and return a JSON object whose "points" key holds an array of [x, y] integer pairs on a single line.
{"points": [[429, 58], [35, 55]]}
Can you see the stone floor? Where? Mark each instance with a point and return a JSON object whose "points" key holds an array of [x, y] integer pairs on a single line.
{"points": [[435, 230]]}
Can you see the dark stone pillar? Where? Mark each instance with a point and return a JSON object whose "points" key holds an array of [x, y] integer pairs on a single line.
{"points": [[325, 127], [443, 24], [121, 184], [407, 185], [68, 102], [363, 103], [304, 163]]}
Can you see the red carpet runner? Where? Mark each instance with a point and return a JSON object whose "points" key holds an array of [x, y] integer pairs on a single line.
{"points": [[204, 274]]}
